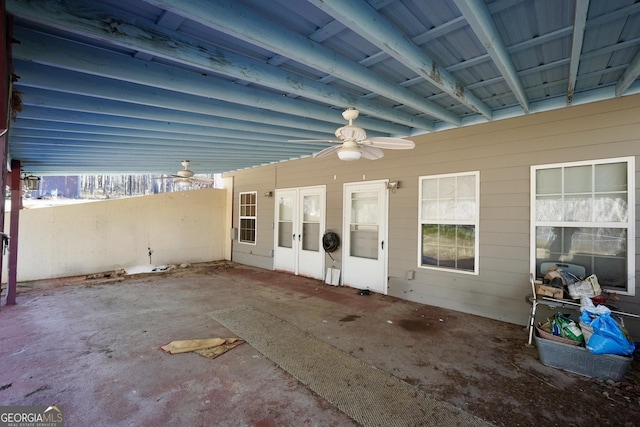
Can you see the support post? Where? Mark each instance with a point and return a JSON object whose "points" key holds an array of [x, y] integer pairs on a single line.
{"points": [[5, 90], [16, 205]]}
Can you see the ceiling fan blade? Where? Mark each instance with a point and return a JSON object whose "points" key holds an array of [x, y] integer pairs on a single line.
{"points": [[389, 143], [202, 179], [371, 153], [327, 151], [315, 140]]}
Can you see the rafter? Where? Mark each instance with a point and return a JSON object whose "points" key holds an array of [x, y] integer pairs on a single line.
{"points": [[232, 18], [360, 16], [164, 43], [629, 76], [479, 18], [579, 25]]}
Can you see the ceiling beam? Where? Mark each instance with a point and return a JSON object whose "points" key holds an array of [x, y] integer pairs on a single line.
{"points": [[361, 17], [70, 16], [481, 22], [629, 76], [68, 147], [232, 18], [85, 104], [71, 82], [579, 25], [32, 127], [70, 56], [92, 119], [26, 136]]}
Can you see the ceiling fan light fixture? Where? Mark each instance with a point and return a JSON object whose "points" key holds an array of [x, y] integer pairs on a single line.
{"points": [[183, 183], [349, 154]]}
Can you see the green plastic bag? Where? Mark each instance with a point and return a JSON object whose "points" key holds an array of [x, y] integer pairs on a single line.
{"points": [[564, 327]]}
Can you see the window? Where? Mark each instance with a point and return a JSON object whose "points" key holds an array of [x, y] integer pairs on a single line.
{"points": [[449, 212], [247, 231], [583, 213]]}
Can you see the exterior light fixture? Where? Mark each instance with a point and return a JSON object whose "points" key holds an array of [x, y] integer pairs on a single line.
{"points": [[31, 182], [393, 185]]}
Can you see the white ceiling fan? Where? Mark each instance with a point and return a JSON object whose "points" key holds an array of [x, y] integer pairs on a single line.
{"points": [[186, 178], [352, 142]]}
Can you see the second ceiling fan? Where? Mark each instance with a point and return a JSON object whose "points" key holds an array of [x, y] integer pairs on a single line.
{"points": [[186, 178], [352, 142]]}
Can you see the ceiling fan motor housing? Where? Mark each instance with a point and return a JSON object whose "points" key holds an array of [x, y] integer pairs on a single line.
{"points": [[185, 173], [355, 133]]}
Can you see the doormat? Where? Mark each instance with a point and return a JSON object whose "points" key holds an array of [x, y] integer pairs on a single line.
{"points": [[361, 391]]}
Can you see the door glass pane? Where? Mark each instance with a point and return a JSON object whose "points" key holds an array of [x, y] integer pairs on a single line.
{"points": [[311, 236], [285, 221], [285, 208], [285, 233], [311, 208], [364, 241], [364, 207], [311, 223], [363, 230]]}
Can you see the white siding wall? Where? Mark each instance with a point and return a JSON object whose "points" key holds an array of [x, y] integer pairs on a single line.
{"points": [[503, 152]]}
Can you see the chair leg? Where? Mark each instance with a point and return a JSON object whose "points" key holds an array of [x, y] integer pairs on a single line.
{"points": [[532, 320]]}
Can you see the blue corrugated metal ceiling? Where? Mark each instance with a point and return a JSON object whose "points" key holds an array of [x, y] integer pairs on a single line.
{"points": [[137, 86]]}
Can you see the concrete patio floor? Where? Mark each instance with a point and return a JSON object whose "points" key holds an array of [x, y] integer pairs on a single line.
{"points": [[92, 348]]}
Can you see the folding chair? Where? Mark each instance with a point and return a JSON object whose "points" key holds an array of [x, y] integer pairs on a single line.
{"points": [[575, 269]]}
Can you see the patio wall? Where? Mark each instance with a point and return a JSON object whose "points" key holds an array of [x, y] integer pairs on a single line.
{"points": [[78, 239]]}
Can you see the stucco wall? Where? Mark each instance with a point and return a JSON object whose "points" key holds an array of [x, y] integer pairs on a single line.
{"points": [[69, 240], [503, 151]]}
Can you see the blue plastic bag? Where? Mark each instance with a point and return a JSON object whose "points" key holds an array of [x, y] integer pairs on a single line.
{"points": [[608, 337]]}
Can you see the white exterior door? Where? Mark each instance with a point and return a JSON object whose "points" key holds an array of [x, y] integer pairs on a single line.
{"points": [[285, 253], [364, 233], [300, 222]]}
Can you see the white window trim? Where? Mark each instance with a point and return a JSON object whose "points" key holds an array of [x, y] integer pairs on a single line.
{"points": [[631, 222], [241, 217], [476, 224]]}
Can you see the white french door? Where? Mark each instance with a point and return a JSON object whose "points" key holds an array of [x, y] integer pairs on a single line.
{"points": [[299, 224], [365, 223]]}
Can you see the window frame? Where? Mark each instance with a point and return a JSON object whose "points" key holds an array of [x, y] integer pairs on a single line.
{"points": [[242, 217], [629, 225], [475, 223]]}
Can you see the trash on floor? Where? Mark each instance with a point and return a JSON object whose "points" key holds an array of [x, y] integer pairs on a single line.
{"points": [[106, 274], [333, 276], [208, 347]]}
